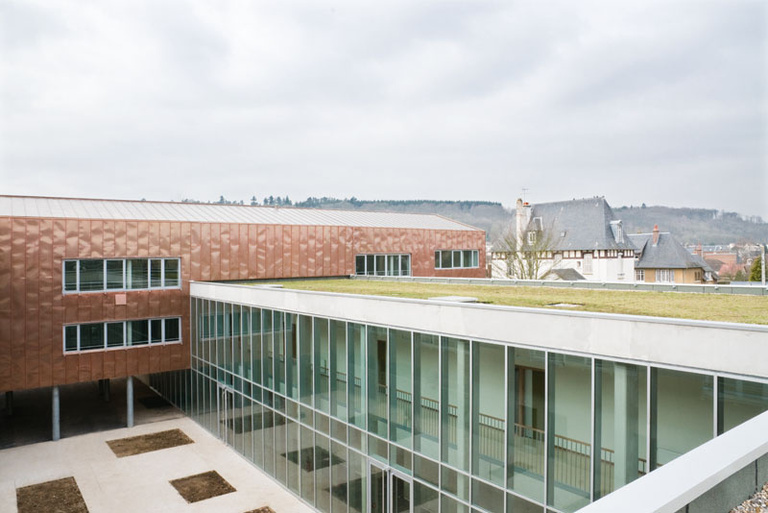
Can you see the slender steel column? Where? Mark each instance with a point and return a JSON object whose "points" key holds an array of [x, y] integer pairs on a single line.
{"points": [[129, 401], [55, 415]]}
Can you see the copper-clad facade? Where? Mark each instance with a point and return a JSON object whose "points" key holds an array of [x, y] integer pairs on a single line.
{"points": [[33, 308]]}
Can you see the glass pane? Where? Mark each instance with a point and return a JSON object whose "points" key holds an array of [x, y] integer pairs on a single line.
{"points": [[360, 264], [171, 272], [426, 470], [570, 406], [370, 264], [70, 338], [525, 440], [455, 402], [256, 345], [322, 465], [683, 419], [517, 505], [486, 496], [475, 258], [446, 259], [620, 425], [425, 499], [305, 359], [115, 334], [393, 265], [156, 273], [438, 260], [356, 370], [292, 356], [91, 275], [380, 265], [292, 434], [378, 490], [427, 409], [739, 401], [401, 396], [138, 332], [91, 336], [308, 463], [338, 373], [358, 488], [70, 276], [322, 365], [449, 505], [489, 412], [115, 274], [467, 259], [138, 274], [281, 468], [457, 259], [405, 265], [339, 477], [156, 330], [267, 349], [377, 381], [279, 348], [401, 495]]}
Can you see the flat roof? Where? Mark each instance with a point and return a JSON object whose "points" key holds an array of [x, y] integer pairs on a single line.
{"points": [[101, 209]]}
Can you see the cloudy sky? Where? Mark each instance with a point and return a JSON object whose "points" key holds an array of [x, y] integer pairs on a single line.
{"points": [[661, 102]]}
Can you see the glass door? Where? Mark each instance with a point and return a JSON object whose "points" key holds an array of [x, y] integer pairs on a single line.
{"points": [[226, 414], [389, 490]]}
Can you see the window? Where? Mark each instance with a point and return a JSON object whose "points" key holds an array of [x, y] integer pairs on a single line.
{"points": [[639, 274], [383, 265], [106, 335], [587, 263], [120, 274], [665, 275], [456, 259], [531, 237]]}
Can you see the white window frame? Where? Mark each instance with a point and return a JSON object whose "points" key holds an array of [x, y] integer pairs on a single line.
{"points": [[124, 288], [665, 276], [474, 257], [640, 275], [400, 257], [125, 345]]}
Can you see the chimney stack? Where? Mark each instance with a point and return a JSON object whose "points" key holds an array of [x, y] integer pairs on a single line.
{"points": [[655, 234]]}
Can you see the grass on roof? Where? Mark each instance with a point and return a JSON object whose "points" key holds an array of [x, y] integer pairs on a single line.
{"points": [[708, 307]]}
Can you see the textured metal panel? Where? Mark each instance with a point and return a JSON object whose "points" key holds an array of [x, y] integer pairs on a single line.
{"points": [[308, 248], [215, 245], [224, 250], [181, 212], [244, 251], [255, 268], [334, 241]]}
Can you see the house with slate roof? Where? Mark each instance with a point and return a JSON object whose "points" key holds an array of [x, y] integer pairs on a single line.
{"points": [[584, 240], [662, 259]]}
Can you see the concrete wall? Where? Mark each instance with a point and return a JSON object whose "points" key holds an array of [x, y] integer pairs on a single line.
{"points": [[725, 347]]}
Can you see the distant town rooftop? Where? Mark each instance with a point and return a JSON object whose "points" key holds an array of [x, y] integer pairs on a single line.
{"points": [[676, 305]]}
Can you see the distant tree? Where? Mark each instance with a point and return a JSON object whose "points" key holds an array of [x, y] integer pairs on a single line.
{"points": [[525, 256], [740, 276], [254, 201], [756, 273]]}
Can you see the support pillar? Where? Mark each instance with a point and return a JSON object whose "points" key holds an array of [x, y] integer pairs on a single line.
{"points": [[625, 428], [55, 415], [9, 402], [129, 401]]}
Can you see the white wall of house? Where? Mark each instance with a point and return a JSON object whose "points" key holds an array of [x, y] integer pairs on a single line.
{"points": [[603, 269]]}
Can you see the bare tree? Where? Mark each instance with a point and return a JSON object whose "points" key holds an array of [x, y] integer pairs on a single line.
{"points": [[527, 255]]}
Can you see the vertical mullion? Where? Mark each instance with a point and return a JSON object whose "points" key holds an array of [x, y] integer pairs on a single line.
{"points": [[596, 451], [715, 416], [547, 435]]}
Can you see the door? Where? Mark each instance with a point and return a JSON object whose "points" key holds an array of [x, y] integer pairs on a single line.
{"points": [[389, 490], [227, 414]]}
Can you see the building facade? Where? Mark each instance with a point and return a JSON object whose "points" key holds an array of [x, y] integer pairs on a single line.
{"points": [[99, 289], [572, 240], [362, 404], [662, 259]]}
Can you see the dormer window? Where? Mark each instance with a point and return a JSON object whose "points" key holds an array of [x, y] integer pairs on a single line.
{"points": [[531, 238]]}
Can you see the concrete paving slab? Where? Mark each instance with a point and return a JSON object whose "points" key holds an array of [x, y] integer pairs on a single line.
{"points": [[141, 483]]}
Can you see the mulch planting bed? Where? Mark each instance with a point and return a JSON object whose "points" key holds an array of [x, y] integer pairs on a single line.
{"points": [[148, 443], [59, 496], [265, 509], [202, 486]]}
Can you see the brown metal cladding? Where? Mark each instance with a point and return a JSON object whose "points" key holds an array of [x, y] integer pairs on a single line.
{"points": [[33, 309]]}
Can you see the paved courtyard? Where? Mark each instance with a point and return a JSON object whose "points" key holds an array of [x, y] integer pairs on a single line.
{"points": [[141, 483]]}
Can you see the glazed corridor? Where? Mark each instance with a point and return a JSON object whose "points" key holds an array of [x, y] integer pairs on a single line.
{"points": [[355, 417]]}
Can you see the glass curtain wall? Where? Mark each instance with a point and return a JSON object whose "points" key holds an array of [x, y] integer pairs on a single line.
{"points": [[475, 425]]}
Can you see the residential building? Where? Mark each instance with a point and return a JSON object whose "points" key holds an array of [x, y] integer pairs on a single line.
{"points": [[662, 259], [582, 235]]}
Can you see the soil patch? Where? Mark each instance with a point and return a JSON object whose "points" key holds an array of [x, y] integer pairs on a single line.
{"points": [[264, 509], [59, 496], [148, 443], [202, 486]]}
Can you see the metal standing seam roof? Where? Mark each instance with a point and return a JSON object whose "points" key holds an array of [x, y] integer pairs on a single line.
{"points": [[68, 208]]}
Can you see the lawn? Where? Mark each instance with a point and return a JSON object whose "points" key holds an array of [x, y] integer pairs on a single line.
{"points": [[710, 307]]}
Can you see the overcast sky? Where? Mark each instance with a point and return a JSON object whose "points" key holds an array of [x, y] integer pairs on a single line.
{"points": [[639, 101]]}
